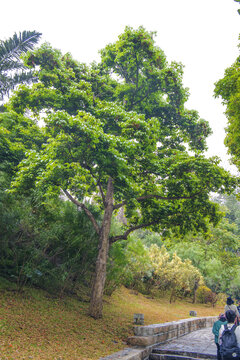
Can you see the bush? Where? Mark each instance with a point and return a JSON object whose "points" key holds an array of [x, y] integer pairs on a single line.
{"points": [[128, 265], [203, 294], [221, 299], [212, 298], [52, 246]]}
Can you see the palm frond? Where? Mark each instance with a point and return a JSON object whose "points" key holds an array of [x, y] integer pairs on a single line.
{"points": [[10, 62], [11, 65], [4, 85], [24, 77], [12, 48], [9, 82]]}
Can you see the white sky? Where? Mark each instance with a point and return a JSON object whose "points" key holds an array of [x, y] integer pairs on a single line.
{"points": [[203, 35]]}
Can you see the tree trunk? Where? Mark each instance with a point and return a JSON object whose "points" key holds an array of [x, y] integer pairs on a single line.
{"points": [[195, 291], [95, 309], [171, 296]]}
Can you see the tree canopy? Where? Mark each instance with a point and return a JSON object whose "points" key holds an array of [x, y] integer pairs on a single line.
{"points": [[228, 88], [117, 133]]}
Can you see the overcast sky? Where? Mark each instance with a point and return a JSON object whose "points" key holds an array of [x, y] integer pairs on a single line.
{"points": [[203, 35]]}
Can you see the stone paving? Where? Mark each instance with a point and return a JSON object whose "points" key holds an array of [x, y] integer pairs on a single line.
{"points": [[200, 341]]}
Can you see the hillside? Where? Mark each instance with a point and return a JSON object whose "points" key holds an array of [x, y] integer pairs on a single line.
{"points": [[34, 325]]}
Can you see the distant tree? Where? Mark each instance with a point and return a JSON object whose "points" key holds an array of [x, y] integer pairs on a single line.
{"points": [[12, 69], [228, 88], [216, 254], [117, 134], [231, 206]]}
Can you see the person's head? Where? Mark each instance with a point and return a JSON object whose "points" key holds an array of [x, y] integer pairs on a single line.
{"points": [[222, 317], [230, 301], [230, 316]]}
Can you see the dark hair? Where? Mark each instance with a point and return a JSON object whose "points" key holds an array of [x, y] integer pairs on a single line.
{"points": [[222, 317], [230, 316], [230, 301]]}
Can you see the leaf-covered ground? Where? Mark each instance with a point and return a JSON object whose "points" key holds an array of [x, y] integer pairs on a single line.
{"points": [[35, 326]]}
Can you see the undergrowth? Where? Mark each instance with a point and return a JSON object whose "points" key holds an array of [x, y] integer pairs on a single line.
{"points": [[34, 325]]}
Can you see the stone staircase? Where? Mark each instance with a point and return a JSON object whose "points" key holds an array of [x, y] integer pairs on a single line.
{"points": [[158, 341], [166, 354]]}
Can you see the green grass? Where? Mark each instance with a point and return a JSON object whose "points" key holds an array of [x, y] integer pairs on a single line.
{"points": [[35, 326]]}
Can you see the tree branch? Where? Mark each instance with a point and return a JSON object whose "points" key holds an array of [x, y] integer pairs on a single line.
{"points": [[85, 209], [133, 103], [133, 228], [102, 193], [99, 186]]}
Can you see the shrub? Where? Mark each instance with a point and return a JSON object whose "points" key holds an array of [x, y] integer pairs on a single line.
{"points": [[128, 265], [203, 294], [211, 298], [221, 299], [52, 246]]}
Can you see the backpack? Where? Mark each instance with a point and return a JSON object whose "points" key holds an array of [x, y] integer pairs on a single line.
{"points": [[229, 348]]}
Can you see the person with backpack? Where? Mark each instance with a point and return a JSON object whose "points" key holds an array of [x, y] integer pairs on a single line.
{"points": [[238, 307], [230, 306], [215, 330], [229, 338]]}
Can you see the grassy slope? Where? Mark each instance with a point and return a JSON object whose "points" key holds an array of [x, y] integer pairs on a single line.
{"points": [[34, 326]]}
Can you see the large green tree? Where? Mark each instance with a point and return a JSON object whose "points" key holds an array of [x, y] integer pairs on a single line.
{"points": [[228, 88], [12, 69], [118, 134]]}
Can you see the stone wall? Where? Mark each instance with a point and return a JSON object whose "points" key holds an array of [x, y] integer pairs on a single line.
{"points": [[160, 333], [146, 337]]}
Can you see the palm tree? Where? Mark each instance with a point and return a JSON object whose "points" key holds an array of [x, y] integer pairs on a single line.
{"points": [[12, 69]]}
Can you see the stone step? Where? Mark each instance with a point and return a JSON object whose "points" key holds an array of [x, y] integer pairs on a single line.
{"points": [[164, 354], [170, 357]]}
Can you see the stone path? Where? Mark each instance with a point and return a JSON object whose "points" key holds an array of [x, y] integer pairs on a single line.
{"points": [[200, 341]]}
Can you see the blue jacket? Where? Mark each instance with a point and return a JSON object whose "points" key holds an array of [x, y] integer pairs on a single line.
{"points": [[216, 328]]}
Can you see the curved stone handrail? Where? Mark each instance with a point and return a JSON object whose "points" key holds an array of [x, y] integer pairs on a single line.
{"points": [[147, 337]]}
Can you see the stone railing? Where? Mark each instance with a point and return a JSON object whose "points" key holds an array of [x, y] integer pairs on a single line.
{"points": [[147, 337]]}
